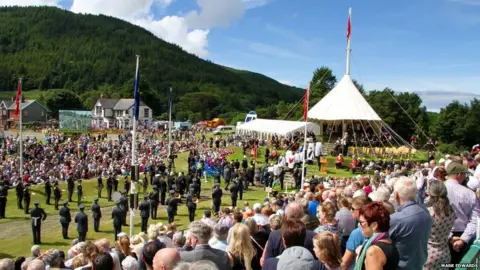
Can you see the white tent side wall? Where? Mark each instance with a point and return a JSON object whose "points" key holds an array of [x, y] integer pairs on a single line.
{"points": [[276, 127]]}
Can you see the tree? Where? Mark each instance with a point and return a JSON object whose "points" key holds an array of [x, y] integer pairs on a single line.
{"points": [[322, 82], [56, 100], [402, 112]]}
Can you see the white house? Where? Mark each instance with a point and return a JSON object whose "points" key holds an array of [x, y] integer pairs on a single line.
{"points": [[118, 113]]}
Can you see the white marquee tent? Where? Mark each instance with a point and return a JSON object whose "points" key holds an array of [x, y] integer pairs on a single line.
{"points": [[344, 102], [265, 127]]}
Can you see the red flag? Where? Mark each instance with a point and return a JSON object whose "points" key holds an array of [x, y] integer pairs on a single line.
{"points": [[18, 98], [349, 26], [305, 105], [255, 151]]}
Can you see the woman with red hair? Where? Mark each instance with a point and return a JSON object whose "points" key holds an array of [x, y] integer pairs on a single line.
{"points": [[378, 252]]}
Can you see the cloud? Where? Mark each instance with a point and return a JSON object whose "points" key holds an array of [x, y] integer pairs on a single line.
{"points": [[435, 100], [214, 13], [250, 4], [274, 51]]}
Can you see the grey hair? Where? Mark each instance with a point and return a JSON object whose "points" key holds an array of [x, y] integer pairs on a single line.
{"points": [[201, 230], [203, 265], [406, 189], [251, 224], [275, 222], [36, 265], [152, 232], [438, 198], [52, 258], [35, 250], [182, 266], [7, 264], [383, 194]]}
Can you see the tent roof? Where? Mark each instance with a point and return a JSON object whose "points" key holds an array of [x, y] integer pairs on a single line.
{"points": [[277, 127], [344, 102]]}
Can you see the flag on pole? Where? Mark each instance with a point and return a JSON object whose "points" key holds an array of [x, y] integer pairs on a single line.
{"points": [[136, 94], [349, 25], [305, 105], [18, 99]]}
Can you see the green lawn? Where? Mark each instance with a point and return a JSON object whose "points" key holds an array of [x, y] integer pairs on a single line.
{"points": [[20, 246]]}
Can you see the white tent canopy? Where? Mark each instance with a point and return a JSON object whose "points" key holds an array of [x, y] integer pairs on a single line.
{"points": [[276, 127], [344, 102]]}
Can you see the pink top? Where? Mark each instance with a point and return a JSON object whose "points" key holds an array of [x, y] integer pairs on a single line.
{"points": [[368, 190]]}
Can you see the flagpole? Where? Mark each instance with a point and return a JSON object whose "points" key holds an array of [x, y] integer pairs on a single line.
{"points": [[169, 123], [20, 128], [305, 136], [134, 146], [349, 50]]}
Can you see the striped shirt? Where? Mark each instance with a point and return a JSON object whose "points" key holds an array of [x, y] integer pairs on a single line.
{"points": [[465, 204]]}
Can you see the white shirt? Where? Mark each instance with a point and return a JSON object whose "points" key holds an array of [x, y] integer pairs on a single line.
{"points": [[260, 219]]}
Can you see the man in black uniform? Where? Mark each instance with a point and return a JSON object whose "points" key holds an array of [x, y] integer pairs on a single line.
{"points": [[48, 190], [19, 191], [170, 180], [82, 223], [124, 206], [3, 199], [156, 180], [217, 198], [154, 197], [100, 186], [117, 216], [38, 215], [115, 183], [96, 214], [234, 193], [70, 186], [79, 192], [191, 205], [180, 184], [145, 184], [196, 188], [65, 219], [172, 205], [144, 208], [26, 199], [57, 193], [163, 190], [126, 184], [109, 187]]}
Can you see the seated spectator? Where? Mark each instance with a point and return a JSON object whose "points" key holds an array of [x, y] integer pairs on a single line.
{"points": [[6, 264], [166, 259], [327, 248], [293, 234], [102, 262], [219, 241], [240, 249], [378, 252], [199, 235], [129, 263], [148, 253]]}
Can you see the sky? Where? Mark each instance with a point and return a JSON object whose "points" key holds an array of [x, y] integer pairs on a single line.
{"points": [[424, 46]]}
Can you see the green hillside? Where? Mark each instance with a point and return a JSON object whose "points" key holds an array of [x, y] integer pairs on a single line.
{"points": [[91, 55]]}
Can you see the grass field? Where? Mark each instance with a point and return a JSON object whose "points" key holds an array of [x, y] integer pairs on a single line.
{"points": [[14, 245], [15, 231]]}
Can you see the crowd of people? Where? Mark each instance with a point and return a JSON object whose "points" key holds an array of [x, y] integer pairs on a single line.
{"points": [[420, 216]]}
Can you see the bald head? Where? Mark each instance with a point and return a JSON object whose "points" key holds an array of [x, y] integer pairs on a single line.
{"points": [[166, 259], [294, 211]]}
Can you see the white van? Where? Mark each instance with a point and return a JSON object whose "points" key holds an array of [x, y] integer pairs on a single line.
{"points": [[224, 129]]}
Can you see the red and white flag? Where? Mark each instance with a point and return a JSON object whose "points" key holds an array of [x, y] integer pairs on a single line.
{"points": [[349, 25], [305, 104], [18, 98]]}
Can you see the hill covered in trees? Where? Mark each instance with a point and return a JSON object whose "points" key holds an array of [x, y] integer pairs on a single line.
{"points": [[84, 56]]}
